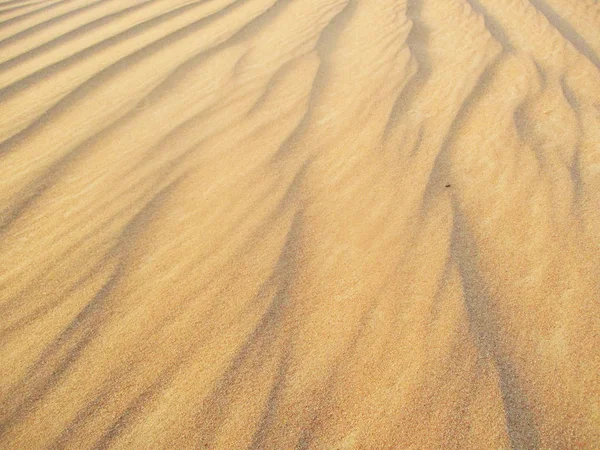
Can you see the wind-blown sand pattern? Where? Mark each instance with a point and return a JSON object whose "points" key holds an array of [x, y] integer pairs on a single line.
{"points": [[278, 224]]}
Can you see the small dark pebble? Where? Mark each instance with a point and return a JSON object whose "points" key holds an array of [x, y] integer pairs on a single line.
{"points": [[448, 185]]}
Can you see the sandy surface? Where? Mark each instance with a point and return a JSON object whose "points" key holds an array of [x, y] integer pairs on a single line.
{"points": [[279, 224]]}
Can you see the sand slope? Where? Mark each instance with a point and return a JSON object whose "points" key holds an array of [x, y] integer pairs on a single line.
{"points": [[300, 224]]}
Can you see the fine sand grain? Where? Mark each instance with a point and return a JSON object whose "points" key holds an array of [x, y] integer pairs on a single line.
{"points": [[285, 224]]}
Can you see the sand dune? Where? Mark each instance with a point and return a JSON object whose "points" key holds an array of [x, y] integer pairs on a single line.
{"points": [[300, 224]]}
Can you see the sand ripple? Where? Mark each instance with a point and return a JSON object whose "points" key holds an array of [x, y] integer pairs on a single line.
{"points": [[300, 224]]}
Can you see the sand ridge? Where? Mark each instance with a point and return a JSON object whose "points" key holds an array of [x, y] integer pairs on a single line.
{"points": [[299, 224]]}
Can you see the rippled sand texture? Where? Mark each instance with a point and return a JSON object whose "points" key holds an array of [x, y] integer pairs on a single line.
{"points": [[279, 224]]}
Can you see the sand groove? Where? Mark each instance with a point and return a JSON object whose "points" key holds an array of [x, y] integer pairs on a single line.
{"points": [[299, 224]]}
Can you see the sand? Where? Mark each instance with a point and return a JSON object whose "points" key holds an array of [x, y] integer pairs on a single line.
{"points": [[279, 224]]}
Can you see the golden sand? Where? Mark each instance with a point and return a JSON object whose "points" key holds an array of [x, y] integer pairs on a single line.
{"points": [[280, 224]]}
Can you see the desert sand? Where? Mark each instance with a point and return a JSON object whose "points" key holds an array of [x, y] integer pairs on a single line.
{"points": [[281, 224]]}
